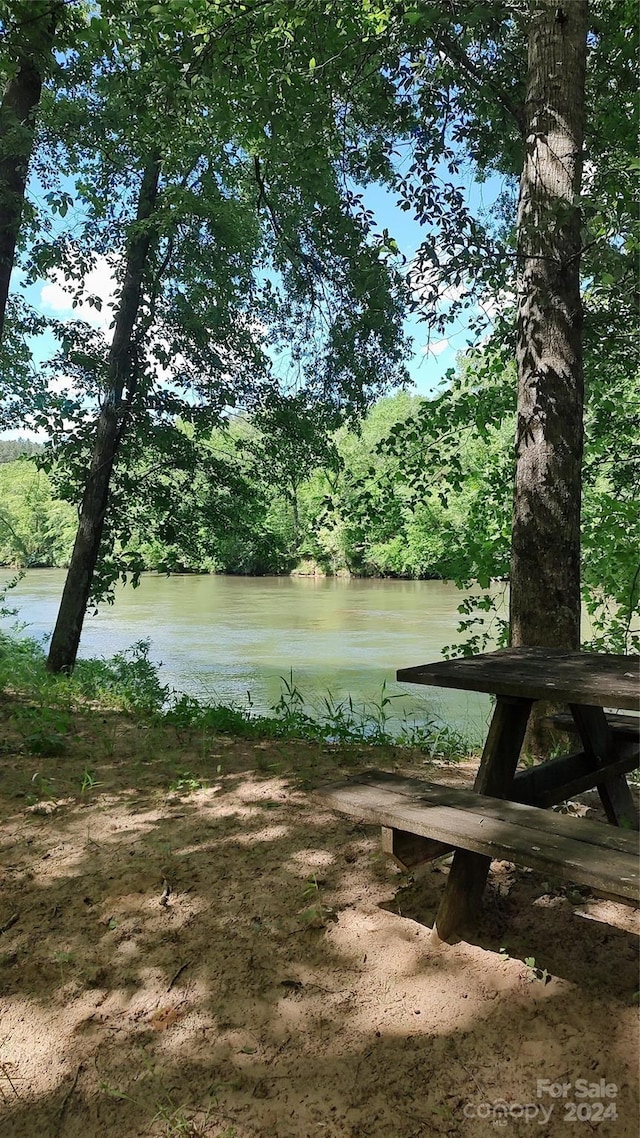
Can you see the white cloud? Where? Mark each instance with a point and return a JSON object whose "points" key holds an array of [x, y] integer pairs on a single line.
{"points": [[436, 347], [427, 285], [493, 304], [100, 282]]}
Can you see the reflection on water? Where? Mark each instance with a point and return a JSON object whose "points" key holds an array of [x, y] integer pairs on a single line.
{"points": [[222, 637]]}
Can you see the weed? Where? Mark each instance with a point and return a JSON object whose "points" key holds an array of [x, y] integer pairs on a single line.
{"points": [[89, 781], [537, 973], [316, 915], [48, 744], [184, 712], [186, 783], [311, 888], [170, 1120], [182, 1121], [43, 789], [43, 729], [333, 721], [129, 682]]}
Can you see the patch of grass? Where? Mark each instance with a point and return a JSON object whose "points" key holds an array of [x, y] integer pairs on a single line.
{"points": [[186, 783], [49, 744], [129, 683], [183, 1122], [89, 781], [339, 721]]}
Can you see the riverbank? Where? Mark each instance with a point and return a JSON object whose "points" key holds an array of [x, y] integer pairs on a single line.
{"points": [[191, 945], [219, 638]]}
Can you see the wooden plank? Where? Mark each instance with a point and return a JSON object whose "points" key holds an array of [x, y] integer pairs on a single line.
{"points": [[593, 729], [575, 858], [621, 726], [600, 746], [618, 803], [462, 897], [461, 902], [539, 673], [375, 789], [502, 747], [555, 780], [410, 850]]}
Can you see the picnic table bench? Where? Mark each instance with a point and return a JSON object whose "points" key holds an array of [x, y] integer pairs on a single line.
{"points": [[424, 820], [504, 816]]}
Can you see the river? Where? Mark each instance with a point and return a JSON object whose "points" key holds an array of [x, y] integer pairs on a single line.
{"points": [[220, 638]]}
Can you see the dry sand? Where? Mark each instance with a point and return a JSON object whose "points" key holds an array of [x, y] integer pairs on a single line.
{"points": [[236, 960]]}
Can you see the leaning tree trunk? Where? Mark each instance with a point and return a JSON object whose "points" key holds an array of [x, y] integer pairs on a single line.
{"points": [[34, 41], [110, 426], [545, 560]]}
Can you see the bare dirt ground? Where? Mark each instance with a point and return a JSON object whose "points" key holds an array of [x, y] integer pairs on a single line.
{"points": [[190, 944]]}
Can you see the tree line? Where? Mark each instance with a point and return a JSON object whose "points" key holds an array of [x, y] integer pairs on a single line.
{"points": [[356, 505]]}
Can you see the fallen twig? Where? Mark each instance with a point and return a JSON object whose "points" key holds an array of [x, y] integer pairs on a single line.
{"points": [[66, 1098], [472, 1076], [10, 923], [4, 1072], [178, 973]]}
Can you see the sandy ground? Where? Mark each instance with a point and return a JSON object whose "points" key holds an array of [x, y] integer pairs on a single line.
{"points": [[233, 959]]}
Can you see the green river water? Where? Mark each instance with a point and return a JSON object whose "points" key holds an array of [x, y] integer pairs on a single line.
{"points": [[220, 638]]}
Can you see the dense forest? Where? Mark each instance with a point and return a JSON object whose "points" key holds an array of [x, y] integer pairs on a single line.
{"points": [[346, 502]]}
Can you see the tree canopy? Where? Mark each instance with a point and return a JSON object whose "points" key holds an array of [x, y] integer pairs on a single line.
{"points": [[210, 160]]}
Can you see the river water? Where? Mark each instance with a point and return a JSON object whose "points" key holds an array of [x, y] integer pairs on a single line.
{"points": [[220, 638]]}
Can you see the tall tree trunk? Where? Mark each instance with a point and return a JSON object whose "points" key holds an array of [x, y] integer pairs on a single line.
{"points": [[545, 560], [33, 41], [109, 431]]}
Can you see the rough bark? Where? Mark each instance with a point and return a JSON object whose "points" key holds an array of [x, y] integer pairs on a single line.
{"points": [[33, 41], [109, 431], [545, 561]]}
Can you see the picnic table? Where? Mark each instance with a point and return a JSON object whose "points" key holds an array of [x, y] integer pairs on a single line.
{"points": [[505, 814], [518, 678]]}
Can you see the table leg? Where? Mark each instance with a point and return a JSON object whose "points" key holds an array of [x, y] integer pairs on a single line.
{"points": [[467, 878], [599, 746]]}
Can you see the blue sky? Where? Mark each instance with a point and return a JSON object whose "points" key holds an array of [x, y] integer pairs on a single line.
{"points": [[432, 355]]}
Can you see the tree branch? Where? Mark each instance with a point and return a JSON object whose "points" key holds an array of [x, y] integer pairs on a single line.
{"points": [[448, 45]]}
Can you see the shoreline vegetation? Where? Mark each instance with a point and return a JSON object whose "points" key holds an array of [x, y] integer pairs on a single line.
{"points": [[42, 709], [348, 506], [349, 513]]}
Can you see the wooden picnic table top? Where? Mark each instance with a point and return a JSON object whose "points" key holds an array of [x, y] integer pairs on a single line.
{"points": [[590, 678]]}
